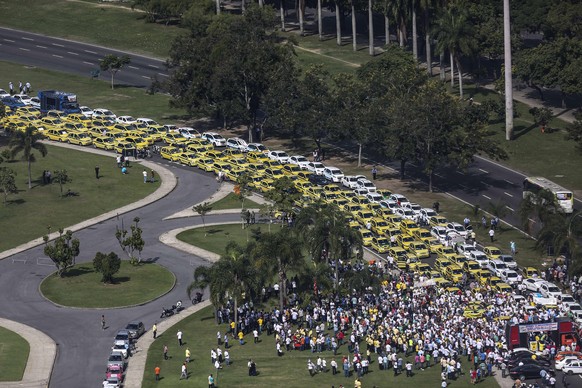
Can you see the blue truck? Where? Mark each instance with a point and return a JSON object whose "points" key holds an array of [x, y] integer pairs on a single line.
{"points": [[56, 100]]}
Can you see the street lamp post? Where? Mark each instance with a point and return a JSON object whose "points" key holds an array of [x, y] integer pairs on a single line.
{"points": [[508, 73]]}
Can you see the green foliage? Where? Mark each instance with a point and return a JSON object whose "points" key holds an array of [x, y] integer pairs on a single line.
{"points": [[62, 177], [108, 265], [131, 243], [162, 10], [575, 131], [202, 209], [284, 194], [113, 64], [26, 142], [7, 182], [542, 116], [62, 251]]}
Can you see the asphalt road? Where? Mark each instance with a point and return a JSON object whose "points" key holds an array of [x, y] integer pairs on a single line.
{"points": [[74, 57]]}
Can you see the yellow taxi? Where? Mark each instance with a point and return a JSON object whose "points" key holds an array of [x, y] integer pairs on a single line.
{"points": [[482, 276], [393, 232], [303, 185], [272, 164], [274, 173], [328, 196], [493, 280], [361, 200], [314, 192], [379, 226], [173, 138], [122, 146], [502, 287], [220, 166], [51, 122], [291, 169], [339, 202], [78, 118], [394, 220], [380, 244], [419, 267], [347, 194], [104, 142], [404, 240], [408, 227], [56, 134], [27, 111], [437, 221], [79, 138], [441, 263], [167, 152], [98, 132], [306, 175], [453, 273], [530, 272], [187, 158], [471, 267], [447, 252], [352, 208], [233, 153], [266, 185], [474, 310], [382, 212], [434, 244], [364, 216], [256, 157], [419, 249], [492, 253], [459, 259], [422, 235], [138, 142], [205, 163]]}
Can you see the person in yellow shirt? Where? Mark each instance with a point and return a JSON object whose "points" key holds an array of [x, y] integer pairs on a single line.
{"points": [[232, 326], [241, 337], [357, 383], [187, 354], [260, 322]]}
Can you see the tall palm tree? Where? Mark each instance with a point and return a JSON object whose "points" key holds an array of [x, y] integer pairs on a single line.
{"points": [[370, 28], [425, 6], [319, 23], [414, 33], [455, 35], [338, 24], [26, 142], [278, 253], [354, 42]]}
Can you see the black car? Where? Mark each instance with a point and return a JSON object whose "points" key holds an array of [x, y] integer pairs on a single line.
{"points": [[526, 361], [528, 371], [318, 180], [135, 329]]}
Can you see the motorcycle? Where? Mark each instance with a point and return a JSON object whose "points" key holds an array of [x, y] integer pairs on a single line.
{"points": [[179, 306], [197, 298], [167, 312]]}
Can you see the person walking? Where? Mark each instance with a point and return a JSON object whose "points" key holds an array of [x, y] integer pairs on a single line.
{"points": [[165, 352], [102, 322], [153, 176], [187, 354], [157, 373], [184, 374], [492, 234], [155, 330], [210, 381], [374, 172], [145, 176], [513, 247], [118, 160], [97, 172], [179, 335]]}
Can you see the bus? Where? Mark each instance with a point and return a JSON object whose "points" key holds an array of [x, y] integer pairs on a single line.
{"points": [[564, 197]]}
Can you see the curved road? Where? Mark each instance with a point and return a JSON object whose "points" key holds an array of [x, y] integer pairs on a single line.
{"points": [[77, 332]]}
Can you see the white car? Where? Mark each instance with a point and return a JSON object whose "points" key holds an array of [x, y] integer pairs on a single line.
{"points": [[374, 197], [35, 102], [532, 284], [316, 167], [333, 174], [257, 147], [366, 184], [426, 213], [566, 299], [457, 228], [146, 121], [351, 181], [565, 361], [237, 143], [112, 382], [214, 138], [480, 257], [509, 276], [509, 262], [405, 213], [23, 98], [439, 232], [577, 316], [575, 308], [466, 249], [125, 120], [279, 156], [361, 192], [300, 161], [170, 128], [119, 346], [4, 93], [86, 111], [497, 267], [573, 367], [549, 290], [101, 113], [399, 198], [413, 206], [188, 132], [389, 204]]}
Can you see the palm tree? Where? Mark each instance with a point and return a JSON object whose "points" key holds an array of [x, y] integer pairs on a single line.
{"points": [[425, 6], [26, 142], [319, 25], [399, 11], [370, 29], [278, 253], [414, 33], [338, 24], [324, 228], [455, 35], [354, 42]]}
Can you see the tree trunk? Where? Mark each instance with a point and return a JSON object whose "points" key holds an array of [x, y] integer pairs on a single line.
{"points": [[235, 317], [414, 33], [282, 11], [29, 174], [242, 6], [112, 85], [452, 70], [261, 4], [442, 67], [359, 154], [401, 35], [319, 26], [460, 73], [370, 29], [428, 46], [301, 17], [338, 25], [386, 30], [354, 43], [430, 175], [218, 7], [508, 75], [402, 168]]}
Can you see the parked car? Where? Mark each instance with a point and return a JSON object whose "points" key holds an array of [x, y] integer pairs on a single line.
{"points": [[399, 198], [188, 132], [316, 167], [466, 249], [101, 113], [257, 147], [112, 382], [573, 367], [509, 276], [214, 138], [565, 361], [237, 143], [135, 329], [527, 371], [121, 346], [351, 181], [333, 174], [115, 358], [497, 266], [549, 290], [366, 185], [532, 284], [122, 335], [480, 258], [125, 120], [456, 228], [299, 160], [509, 261], [279, 156]]}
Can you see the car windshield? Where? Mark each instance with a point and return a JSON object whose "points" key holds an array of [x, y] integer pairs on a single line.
{"points": [[132, 326]]}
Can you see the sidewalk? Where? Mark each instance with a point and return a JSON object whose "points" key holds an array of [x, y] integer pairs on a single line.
{"points": [[41, 357]]}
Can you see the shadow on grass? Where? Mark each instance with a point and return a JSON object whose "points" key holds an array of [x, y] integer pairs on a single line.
{"points": [[521, 130], [77, 272], [121, 279], [214, 231], [211, 318], [18, 201]]}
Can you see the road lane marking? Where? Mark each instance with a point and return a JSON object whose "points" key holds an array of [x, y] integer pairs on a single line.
{"points": [[509, 195], [511, 183], [39, 46], [90, 52], [485, 171], [87, 63], [24, 49], [133, 67], [72, 53], [439, 175], [145, 76], [58, 56], [460, 172], [58, 45], [163, 75], [534, 221], [8, 40], [412, 164], [25, 38], [154, 66], [463, 187], [485, 184], [486, 196], [510, 208]]}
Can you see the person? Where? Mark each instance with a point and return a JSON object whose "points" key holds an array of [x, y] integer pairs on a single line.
{"points": [[408, 369], [155, 330], [126, 161], [374, 172], [184, 374], [218, 338], [333, 367], [11, 87], [145, 176], [310, 368], [97, 172], [227, 357], [249, 364], [217, 365], [483, 222], [157, 372], [19, 86], [102, 322], [314, 151], [48, 177], [492, 234], [118, 160], [105, 383], [124, 170], [28, 87], [513, 247], [165, 352], [179, 335], [210, 381], [241, 337], [253, 218], [357, 383], [436, 206], [187, 354], [153, 179]]}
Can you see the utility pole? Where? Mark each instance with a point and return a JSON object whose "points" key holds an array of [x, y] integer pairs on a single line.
{"points": [[508, 75]]}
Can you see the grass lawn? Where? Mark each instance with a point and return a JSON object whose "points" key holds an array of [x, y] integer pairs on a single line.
{"points": [[13, 355], [290, 370], [231, 201], [214, 238], [90, 21], [122, 100], [81, 286], [42, 206]]}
